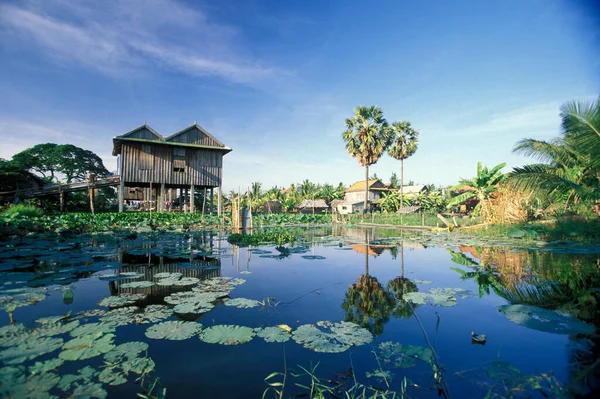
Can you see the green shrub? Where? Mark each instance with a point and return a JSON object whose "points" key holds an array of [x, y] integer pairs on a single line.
{"points": [[23, 210]]}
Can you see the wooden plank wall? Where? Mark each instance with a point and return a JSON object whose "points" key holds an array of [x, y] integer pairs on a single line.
{"points": [[142, 133], [204, 167], [195, 136]]}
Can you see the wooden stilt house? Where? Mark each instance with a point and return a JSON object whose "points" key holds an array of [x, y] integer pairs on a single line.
{"points": [[189, 160]]}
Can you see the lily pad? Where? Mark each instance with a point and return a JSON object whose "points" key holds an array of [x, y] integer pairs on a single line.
{"points": [[30, 349], [273, 334], [121, 300], [36, 386], [313, 257], [94, 329], [120, 316], [327, 337], [227, 334], [152, 314], [48, 365], [69, 382], [404, 356], [50, 330], [13, 334], [86, 347], [544, 320], [138, 284], [242, 303], [174, 330]]}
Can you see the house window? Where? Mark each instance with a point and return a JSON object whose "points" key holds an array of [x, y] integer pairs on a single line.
{"points": [[179, 159], [344, 208]]}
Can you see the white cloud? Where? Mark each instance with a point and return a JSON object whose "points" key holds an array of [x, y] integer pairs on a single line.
{"points": [[124, 37]]}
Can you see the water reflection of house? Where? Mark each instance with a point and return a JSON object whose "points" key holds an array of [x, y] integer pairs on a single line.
{"points": [[373, 250], [201, 268]]}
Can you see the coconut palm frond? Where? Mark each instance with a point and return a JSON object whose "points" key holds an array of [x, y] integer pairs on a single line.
{"points": [[581, 126], [541, 295], [542, 178]]}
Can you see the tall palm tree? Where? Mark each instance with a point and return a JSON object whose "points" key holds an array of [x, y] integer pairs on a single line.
{"points": [[570, 165], [480, 187], [405, 143], [367, 137]]}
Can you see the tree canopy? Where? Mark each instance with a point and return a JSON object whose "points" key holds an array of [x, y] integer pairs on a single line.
{"points": [[49, 159]]}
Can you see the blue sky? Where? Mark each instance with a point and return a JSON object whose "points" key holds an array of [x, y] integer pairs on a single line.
{"points": [[275, 80]]}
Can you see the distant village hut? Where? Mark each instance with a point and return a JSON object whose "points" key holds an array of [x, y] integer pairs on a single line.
{"points": [[312, 206], [272, 206], [354, 196], [188, 160]]}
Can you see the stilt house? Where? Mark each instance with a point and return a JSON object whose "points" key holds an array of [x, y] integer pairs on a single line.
{"points": [[188, 160]]}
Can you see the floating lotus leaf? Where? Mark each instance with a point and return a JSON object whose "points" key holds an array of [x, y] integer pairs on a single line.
{"points": [[86, 347], [327, 337], [242, 303], [120, 276], [111, 376], [89, 390], [131, 274], [313, 257], [273, 334], [380, 375], [50, 330], [34, 387], [236, 281], [152, 314], [246, 272], [174, 330], [168, 275], [442, 300], [13, 334], [138, 284], [227, 334], [120, 316], [418, 298], [455, 292], [424, 282], [91, 313], [544, 320], [191, 297], [185, 281], [94, 329], [54, 319], [404, 356], [69, 381], [259, 251], [126, 350], [30, 349], [138, 365], [22, 297], [121, 300], [48, 365], [193, 307]]}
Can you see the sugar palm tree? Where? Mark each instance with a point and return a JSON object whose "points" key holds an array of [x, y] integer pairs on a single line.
{"points": [[480, 187], [367, 137], [404, 144]]}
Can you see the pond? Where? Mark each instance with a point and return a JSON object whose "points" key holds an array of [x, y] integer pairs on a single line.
{"points": [[343, 310]]}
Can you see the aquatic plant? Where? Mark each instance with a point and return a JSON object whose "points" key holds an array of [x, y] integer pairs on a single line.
{"points": [[404, 356], [243, 303], [121, 300], [327, 337], [88, 346], [29, 349], [227, 334], [273, 334], [173, 330]]}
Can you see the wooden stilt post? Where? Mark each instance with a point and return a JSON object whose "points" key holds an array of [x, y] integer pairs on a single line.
{"points": [[192, 205], [212, 201], [91, 194], [203, 201], [219, 202], [121, 194], [162, 197], [181, 199], [61, 199]]}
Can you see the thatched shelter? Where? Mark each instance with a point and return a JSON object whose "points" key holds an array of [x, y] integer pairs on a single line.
{"points": [[312, 206]]}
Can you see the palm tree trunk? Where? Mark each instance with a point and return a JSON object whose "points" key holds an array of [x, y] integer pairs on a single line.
{"points": [[366, 190], [401, 183], [402, 258], [366, 252]]}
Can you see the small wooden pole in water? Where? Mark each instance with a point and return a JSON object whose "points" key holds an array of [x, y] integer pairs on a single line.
{"points": [[422, 218], [192, 204], [61, 198], [91, 194]]}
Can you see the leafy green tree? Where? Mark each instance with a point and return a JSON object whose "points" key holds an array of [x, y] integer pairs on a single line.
{"points": [[329, 193], [308, 189], [405, 143], [394, 182], [49, 159], [367, 137], [479, 187], [569, 168]]}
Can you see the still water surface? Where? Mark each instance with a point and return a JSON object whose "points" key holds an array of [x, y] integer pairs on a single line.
{"points": [[355, 275]]}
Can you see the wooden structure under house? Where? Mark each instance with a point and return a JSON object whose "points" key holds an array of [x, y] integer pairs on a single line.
{"points": [[188, 160]]}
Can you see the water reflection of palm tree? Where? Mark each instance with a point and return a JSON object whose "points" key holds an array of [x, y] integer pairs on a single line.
{"points": [[399, 287], [367, 303]]}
